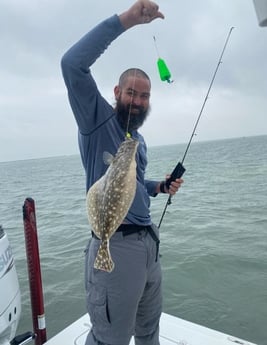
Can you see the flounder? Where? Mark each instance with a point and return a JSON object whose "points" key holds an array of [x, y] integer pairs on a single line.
{"points": [[109, 199]]}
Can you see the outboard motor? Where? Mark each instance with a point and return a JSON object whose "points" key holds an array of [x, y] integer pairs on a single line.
{"points": [[10, 302]]}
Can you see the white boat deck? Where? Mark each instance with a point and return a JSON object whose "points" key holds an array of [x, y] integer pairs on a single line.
{"points": [[173, 330]]}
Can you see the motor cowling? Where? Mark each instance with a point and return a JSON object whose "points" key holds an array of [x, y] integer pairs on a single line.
{"points": [[10, 299]]}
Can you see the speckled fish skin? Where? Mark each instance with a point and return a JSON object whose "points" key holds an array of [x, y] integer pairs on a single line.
{"points": [[109, 199]]}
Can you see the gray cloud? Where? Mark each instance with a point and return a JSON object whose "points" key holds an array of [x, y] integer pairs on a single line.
{"points": [[35, 118]]}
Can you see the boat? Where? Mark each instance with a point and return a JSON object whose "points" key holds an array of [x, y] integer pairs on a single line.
{"points": [[173, 330]]}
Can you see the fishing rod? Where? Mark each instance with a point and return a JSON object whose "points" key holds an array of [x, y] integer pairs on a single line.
{"points": [[179, 170]]}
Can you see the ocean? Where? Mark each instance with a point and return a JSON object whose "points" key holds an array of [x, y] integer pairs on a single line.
{"points": [[213, 236]]}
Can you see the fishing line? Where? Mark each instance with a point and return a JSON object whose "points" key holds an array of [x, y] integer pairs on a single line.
{"points": [[179, 169], [127, 134]]}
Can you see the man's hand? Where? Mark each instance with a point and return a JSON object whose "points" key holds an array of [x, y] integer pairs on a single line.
{"points": [[142, 12], [174, 186]]}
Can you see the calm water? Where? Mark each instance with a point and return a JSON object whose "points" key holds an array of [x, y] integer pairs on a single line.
{"points": [[213, 237]]}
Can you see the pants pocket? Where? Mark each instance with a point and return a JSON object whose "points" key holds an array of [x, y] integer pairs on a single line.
{"points": [[86, 267], [97, 304]]}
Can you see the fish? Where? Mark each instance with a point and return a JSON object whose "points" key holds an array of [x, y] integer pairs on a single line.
{"points": [[108, 200]]}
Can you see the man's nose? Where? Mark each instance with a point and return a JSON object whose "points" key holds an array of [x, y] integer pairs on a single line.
{"points": [[137, 100]]}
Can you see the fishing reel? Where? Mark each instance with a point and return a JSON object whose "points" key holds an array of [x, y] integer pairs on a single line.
{"points": [[177, 172]]}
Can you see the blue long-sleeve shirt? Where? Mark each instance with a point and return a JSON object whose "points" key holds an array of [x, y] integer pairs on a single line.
{"points": [[99, 130]]}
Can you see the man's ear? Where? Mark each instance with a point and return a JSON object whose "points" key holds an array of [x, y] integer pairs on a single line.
{"points": [[117, 91]]}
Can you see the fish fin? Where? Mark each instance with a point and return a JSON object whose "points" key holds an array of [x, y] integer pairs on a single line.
{"points": [[107, 158], [103, 259]]}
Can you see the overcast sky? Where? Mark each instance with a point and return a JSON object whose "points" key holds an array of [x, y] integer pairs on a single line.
{"points": [[36, 119]]}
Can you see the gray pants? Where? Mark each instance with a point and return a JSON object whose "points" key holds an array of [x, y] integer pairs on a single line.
{"points": [[127, 301]]}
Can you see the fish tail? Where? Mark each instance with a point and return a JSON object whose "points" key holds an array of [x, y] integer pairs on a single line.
{"points": [[103, 259]]}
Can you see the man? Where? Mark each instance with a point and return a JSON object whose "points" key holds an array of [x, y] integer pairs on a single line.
{"points": [[127, 301]]}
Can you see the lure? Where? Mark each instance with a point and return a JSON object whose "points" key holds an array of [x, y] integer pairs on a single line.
{"points": [[164, 71]]}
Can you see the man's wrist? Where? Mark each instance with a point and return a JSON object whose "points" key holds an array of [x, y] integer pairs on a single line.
{"points": [[162, 187], [126, 21]]}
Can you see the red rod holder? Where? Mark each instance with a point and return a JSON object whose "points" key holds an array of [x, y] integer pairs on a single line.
{"points": [[34, 271]]}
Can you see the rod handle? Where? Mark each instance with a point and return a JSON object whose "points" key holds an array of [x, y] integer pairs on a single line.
{"points": [[177, 172]]}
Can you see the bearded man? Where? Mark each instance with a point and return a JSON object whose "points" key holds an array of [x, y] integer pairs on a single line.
{"points": [[128, 301]]}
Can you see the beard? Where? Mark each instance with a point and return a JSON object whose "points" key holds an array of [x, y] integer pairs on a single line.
{"points": [[131, 117]]}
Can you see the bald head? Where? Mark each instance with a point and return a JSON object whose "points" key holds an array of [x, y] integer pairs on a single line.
{"points": [[132, 72]]}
